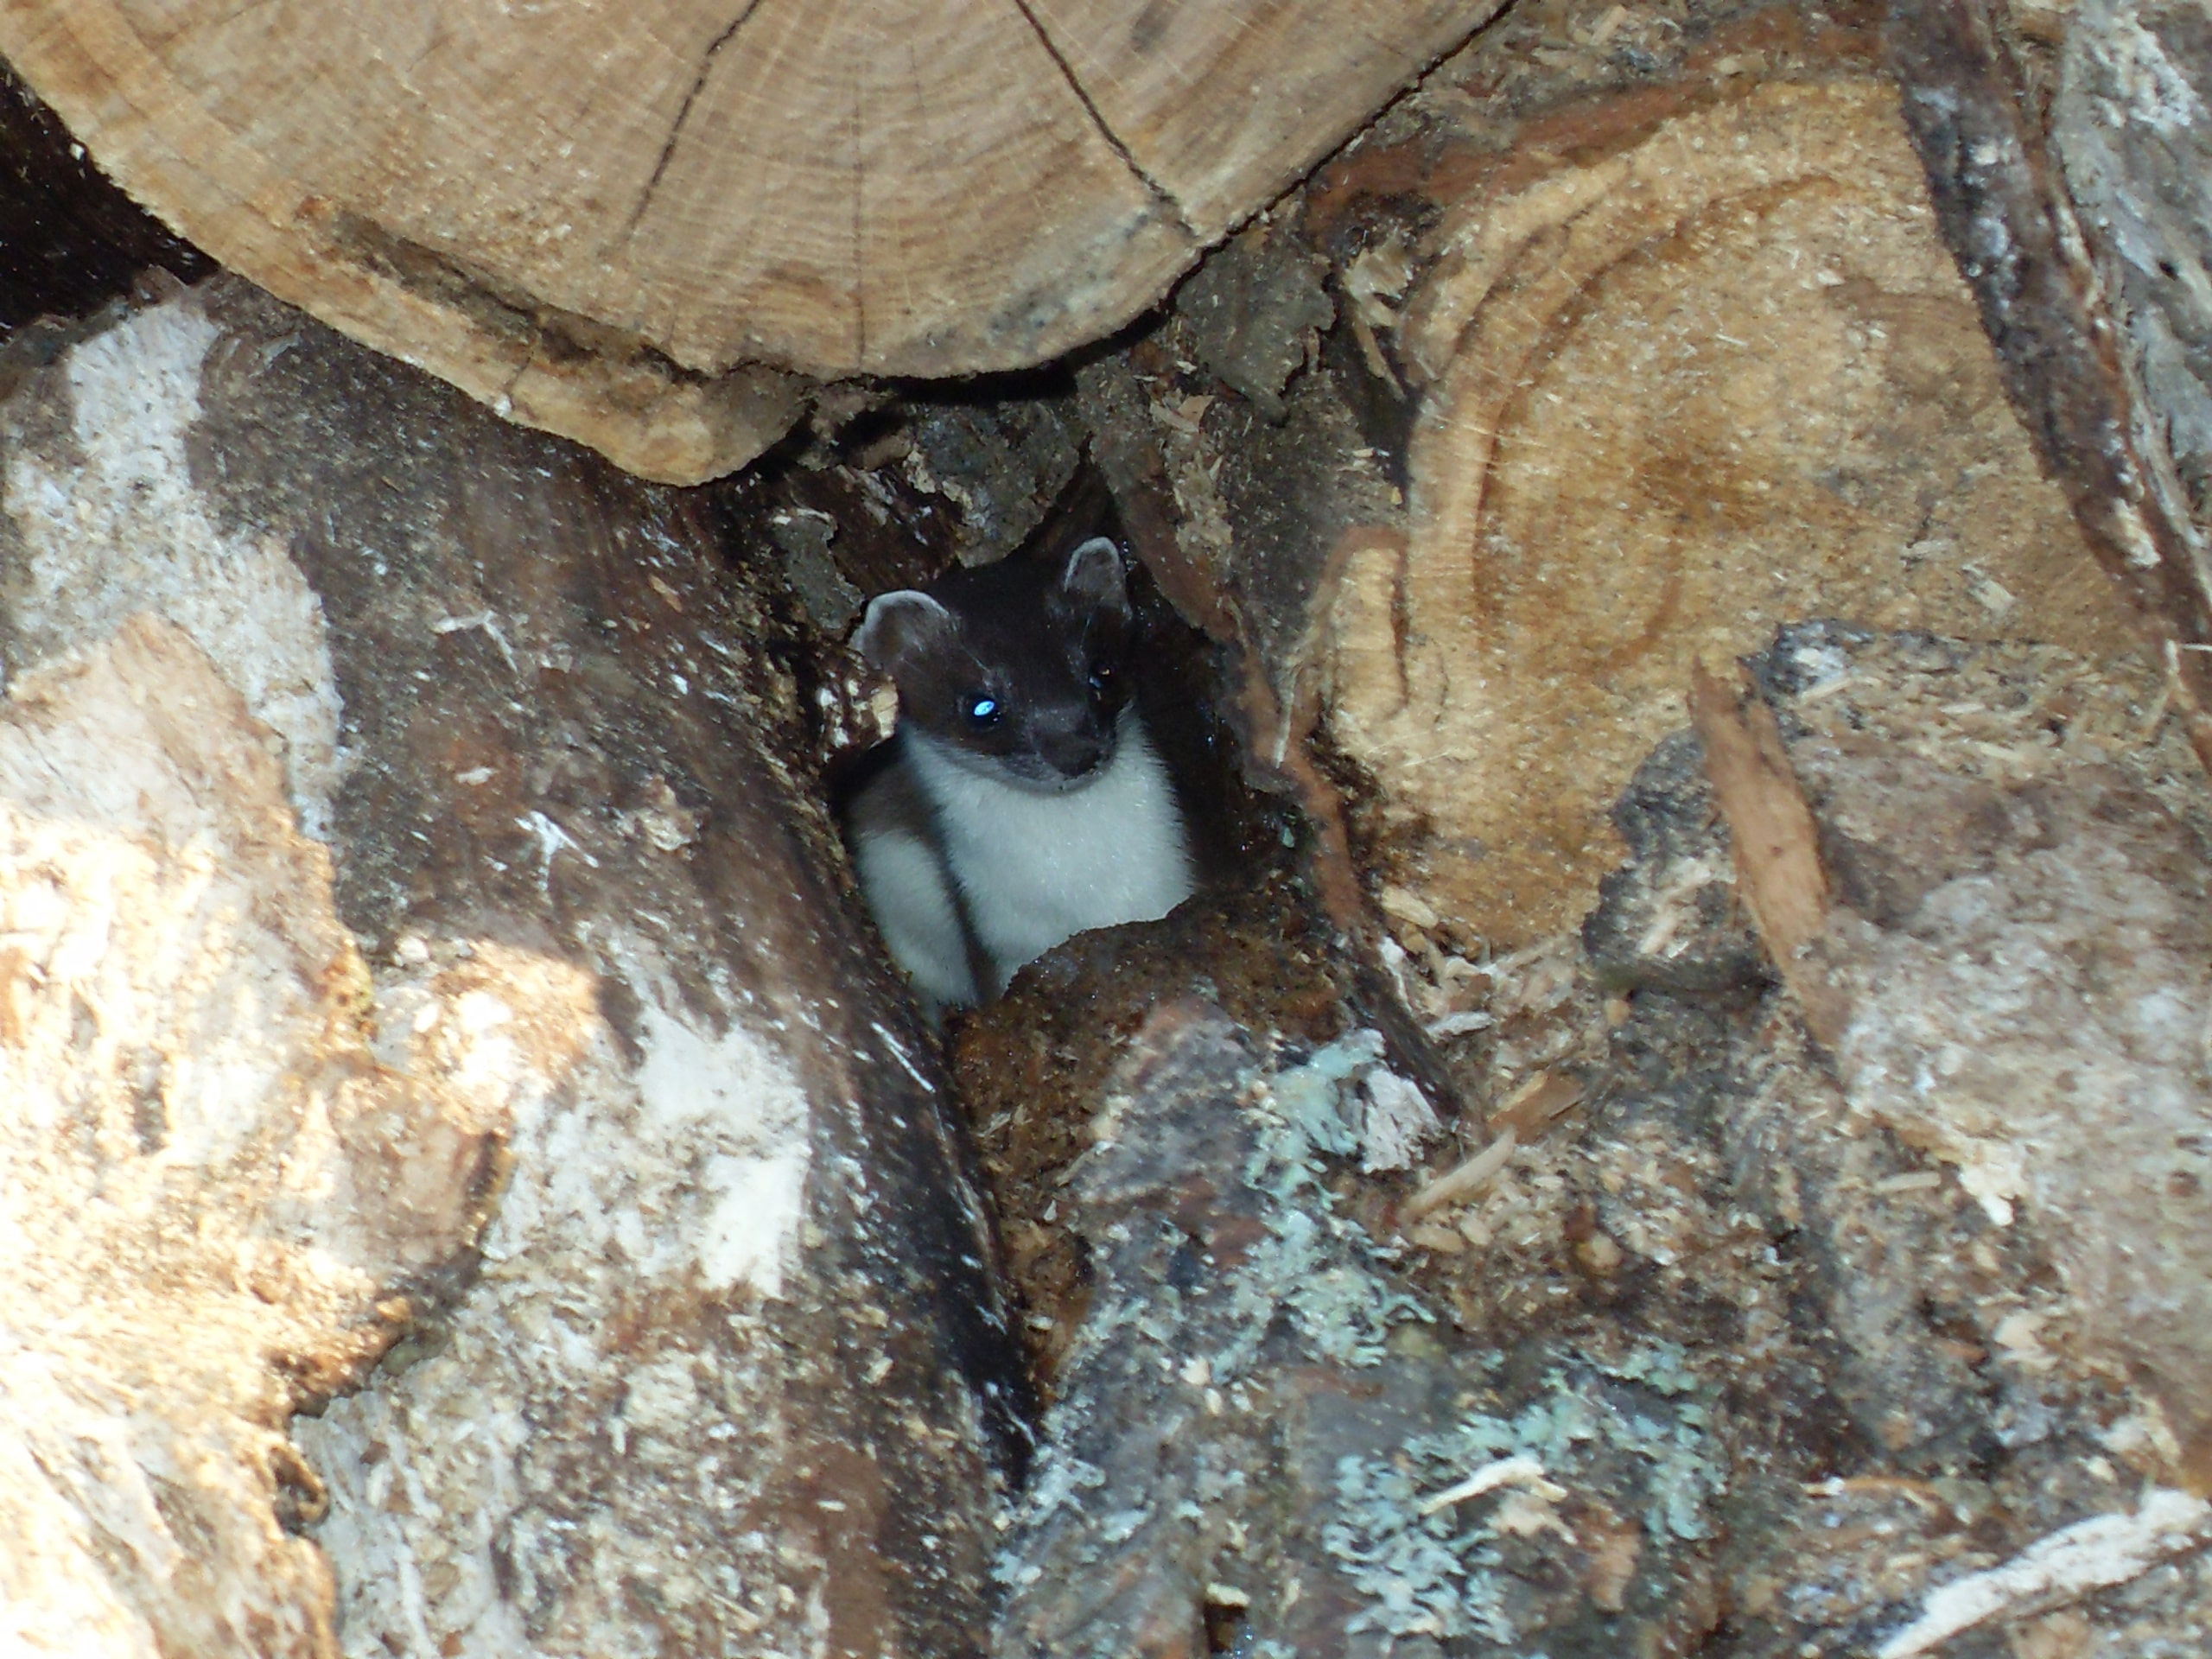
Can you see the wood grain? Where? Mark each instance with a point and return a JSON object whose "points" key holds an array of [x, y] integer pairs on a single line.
{"points": [[630, 225]]}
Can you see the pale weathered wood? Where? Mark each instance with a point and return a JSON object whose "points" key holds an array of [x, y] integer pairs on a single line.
{"points": [[631, 224], [218, 1205]]}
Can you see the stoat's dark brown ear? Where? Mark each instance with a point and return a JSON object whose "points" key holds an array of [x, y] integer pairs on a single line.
{"points": [[902, 630], [1094, 579]]}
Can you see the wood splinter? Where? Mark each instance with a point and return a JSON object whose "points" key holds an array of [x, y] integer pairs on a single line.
{"points": [[1460, 1183], [1778, 849]]}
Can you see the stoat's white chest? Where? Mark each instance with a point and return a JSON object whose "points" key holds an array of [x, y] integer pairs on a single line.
{"points": [[1034, 869]]}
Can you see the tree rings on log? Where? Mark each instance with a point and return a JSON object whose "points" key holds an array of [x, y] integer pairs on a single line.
{"points": [[642, 228], [1693, 364]]}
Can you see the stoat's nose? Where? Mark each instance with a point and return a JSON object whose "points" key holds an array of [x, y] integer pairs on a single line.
{"points": [[1075, 754]]}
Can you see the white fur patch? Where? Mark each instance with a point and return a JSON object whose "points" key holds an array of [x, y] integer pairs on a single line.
{"points": [[1037, 868], [913, 910]]}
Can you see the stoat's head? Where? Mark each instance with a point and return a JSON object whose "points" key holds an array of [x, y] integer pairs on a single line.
{"points": [[1016, 669]]}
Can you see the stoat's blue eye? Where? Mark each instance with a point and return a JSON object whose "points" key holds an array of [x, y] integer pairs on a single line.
{"points": [[982, 711]]}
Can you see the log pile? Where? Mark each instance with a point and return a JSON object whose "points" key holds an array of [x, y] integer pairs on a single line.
{"points": [[1748, 1342], [1673, 566]]}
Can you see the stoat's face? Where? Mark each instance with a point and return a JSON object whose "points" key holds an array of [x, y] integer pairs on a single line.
{"points": [[1015, 668]]}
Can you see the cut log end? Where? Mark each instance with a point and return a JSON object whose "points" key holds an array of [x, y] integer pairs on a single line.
{"points": [[1696, 363], [932, 189]]}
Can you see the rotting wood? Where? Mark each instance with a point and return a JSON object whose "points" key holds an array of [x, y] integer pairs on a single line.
{"points": [[2026, 906], [1272, 683], [224, 1207], [2004, 211], [1981, 1188], [1273, 705], [2074, 1562], [1457, 1184]]}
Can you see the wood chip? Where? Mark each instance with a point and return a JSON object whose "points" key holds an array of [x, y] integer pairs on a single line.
{"points": [[2104, 1550], [1457, 1186], [1537, 1104], [1516, 1471]]}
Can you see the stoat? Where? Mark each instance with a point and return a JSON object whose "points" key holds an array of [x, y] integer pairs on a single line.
{"points": [[1020, 800]]}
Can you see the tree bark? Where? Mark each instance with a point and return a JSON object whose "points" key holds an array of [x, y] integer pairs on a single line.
{"points": [[2110, 409], [727, 1373]]}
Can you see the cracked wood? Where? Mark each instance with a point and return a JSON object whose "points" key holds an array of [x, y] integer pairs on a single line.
{"points": [[636, 226]]}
